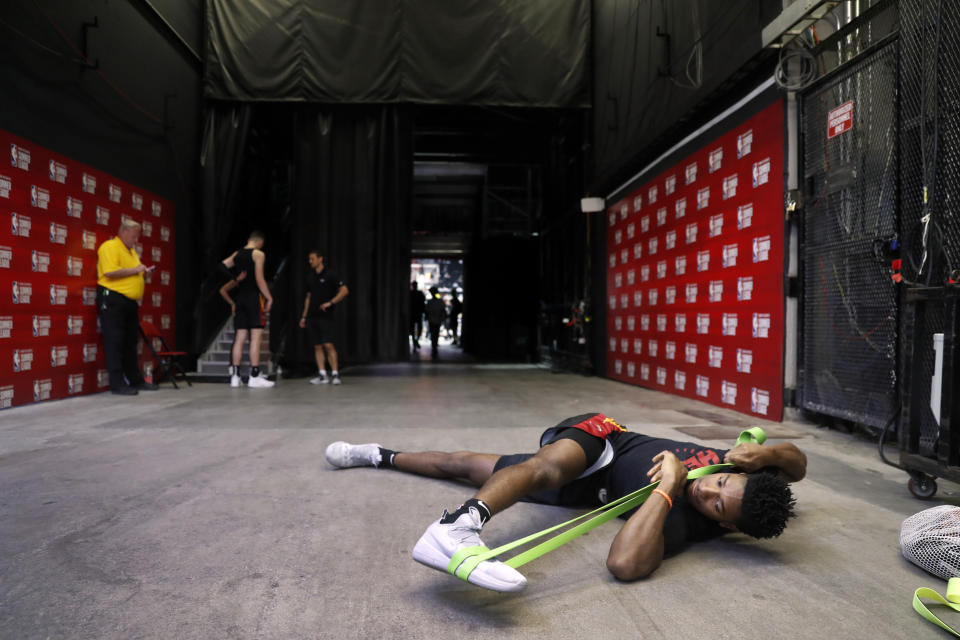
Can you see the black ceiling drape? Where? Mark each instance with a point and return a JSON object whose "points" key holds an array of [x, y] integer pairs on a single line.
{"points": [[481, 52]]}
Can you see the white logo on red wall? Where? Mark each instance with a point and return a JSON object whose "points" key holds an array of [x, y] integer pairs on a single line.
{"points": [[136, 201], [761, 172], [39, 197], [661, 216], [103, 378], [669, 184], [744, 360], [103, 215], [745, 288], [644, 371], [89, 240], [729, 322], [74, 325], [690, 172], [155, 254], [613, 260], [716, 290], [41, 326], [670, 239], [88, 183], [716, 225], [22, 292], [703, 198], [661, 375], [6, 396], [59, 355], [157, 299], [670, 293], [703, 386], [761, 325], [631, 323], [156, 208], [613, 218], [617, 236], [730, 187], [661, 322], [618, 366], [728, 392], [652, 347], [703, 323], [22, 360], [40, 261], [624, 345], [613, 302], [631, 231], [74, 383], [74, 266], [58, 294], [623, 256], [58, 233], [644, 273], [645, 322], [19, 157], [114, 193], [679, 380], [715, 357], [652, 194], [691, 293], [74, 207], [680, 265], [716, 159], [89, 351], [58, 172], [744, 216], [670, 350], [730, 253], [652, 296], [6, 184], [652, 245], [761, 249], [631, 369], [637, 346], [613, 343], [661, 269], [691, 353], [20, 225], [165, 233], [680, 323], [624, 211], [691, 233], [6, 257], [637, 203], [6, 326], [89, 295], [42, 389], [618, 323], [147, 228], [744, 143], [631, 276], [645, 224], [637, 298], [165, 278], [759, 401]]}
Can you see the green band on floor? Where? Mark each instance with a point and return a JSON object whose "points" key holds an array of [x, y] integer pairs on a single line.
{"points": [[952, 600]]}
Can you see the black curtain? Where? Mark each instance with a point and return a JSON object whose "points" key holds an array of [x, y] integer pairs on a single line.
{"points": [[353, 169], [222, 155]]}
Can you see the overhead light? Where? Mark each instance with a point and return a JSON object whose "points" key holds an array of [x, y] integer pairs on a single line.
{"points": [[592, 205]]}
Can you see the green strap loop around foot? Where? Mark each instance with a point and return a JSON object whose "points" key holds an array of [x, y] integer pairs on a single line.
{"points": [[466, 560]]}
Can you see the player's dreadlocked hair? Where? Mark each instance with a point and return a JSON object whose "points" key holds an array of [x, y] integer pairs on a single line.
{"points": [[767, 504]]}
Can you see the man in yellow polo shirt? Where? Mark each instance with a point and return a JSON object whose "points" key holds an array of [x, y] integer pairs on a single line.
{"points": [[119, 290]]}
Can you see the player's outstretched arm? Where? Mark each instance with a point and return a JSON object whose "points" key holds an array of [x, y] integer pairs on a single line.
{"points": [[785, 456]]}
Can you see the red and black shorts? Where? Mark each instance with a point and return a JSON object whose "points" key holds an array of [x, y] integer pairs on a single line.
{"points": [[250, 313]]}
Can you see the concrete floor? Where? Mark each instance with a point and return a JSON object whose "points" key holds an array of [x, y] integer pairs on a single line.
{"points": [[210, 512]]}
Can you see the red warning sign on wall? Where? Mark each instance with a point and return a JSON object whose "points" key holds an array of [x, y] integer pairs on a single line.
{"points": [[695, 274], [840, 119], [54, 214]]}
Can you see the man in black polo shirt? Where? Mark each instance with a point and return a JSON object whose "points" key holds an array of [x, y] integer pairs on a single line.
{"points": [[324, 290], [589, 460]]}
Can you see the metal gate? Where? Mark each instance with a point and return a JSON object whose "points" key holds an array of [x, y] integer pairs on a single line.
{"points": [[849, 123]]}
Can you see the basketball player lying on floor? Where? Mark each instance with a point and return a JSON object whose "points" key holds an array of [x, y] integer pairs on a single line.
{"points": [[587, 461]]}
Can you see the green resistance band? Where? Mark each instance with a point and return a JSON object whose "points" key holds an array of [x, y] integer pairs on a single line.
{"points": [[466, 560], [952, 600]]}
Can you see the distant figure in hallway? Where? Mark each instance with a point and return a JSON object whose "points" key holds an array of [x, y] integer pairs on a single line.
{"points": [[417, 303], [436, 314], [250, 310], [453, 322], [324, 290]]}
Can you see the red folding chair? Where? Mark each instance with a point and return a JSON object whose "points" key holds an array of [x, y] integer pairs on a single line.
{"points": [[165, 357]]}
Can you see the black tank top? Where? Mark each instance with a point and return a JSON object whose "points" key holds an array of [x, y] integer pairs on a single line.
{"points": [[244, 262]]}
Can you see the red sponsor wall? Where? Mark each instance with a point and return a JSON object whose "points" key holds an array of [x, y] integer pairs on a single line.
{"points": [[54, 214], [695, 274]]}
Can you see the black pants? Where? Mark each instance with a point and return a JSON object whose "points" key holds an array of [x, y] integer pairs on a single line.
{"points": [[120, 324], [434, 336], [416, 328]]}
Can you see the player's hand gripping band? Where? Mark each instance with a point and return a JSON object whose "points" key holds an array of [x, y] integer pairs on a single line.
{"points": [[466, 560]]}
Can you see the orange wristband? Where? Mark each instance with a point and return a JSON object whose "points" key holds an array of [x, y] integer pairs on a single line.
{"points": [[665, 497]]}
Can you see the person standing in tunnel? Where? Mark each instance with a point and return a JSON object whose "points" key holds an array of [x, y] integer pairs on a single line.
{"points": [[417, 304], [436, 314]]}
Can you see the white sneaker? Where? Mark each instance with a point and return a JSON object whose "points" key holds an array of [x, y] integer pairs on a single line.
{"points": [[319, 380], [440, 542], [336, 379], [343, 454], [235, 381], [260, 381]]}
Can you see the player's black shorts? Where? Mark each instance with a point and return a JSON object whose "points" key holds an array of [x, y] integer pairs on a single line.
{"points": [[250, 313], [320, 329], [582, 492]]}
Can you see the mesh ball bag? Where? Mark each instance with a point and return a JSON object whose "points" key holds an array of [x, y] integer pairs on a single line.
{"points": [[931, 540]]}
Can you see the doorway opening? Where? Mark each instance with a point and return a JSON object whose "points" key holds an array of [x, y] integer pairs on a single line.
{"points": [[443, 279]]}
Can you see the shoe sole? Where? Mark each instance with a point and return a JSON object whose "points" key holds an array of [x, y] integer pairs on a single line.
{"points": [[429, 552]]}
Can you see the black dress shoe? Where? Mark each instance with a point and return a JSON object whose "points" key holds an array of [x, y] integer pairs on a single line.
{"points": [[124, 391], [147, 386]]}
